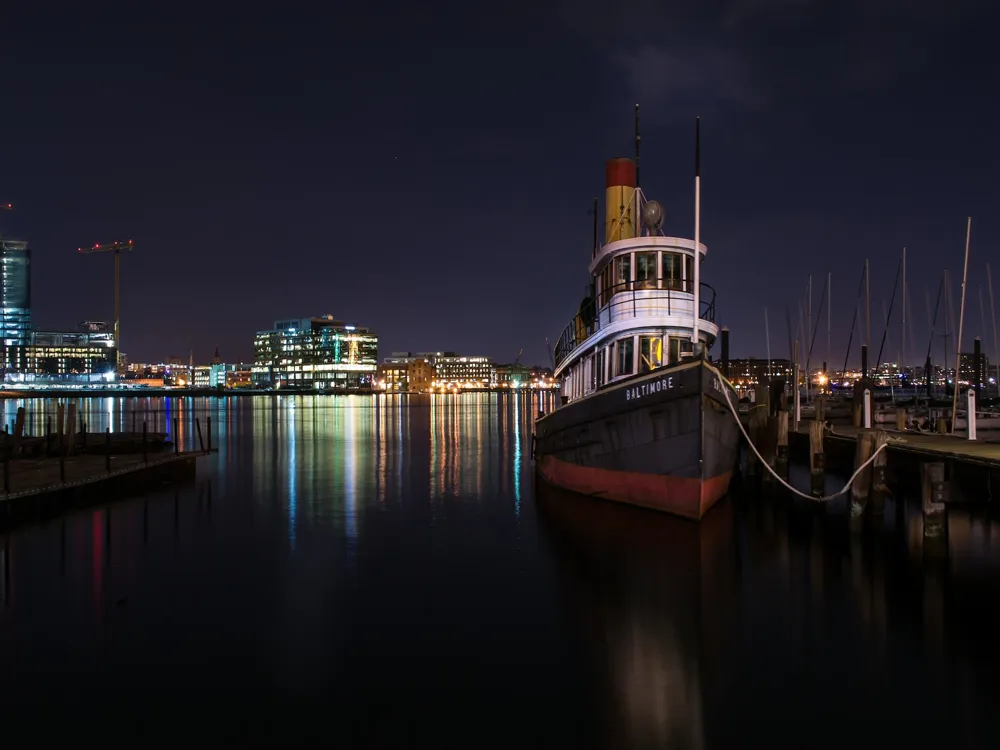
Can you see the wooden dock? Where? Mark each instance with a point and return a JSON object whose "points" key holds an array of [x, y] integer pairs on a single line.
{"points": [[38, 488]]}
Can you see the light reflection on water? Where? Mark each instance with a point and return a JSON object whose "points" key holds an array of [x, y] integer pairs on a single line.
{"points": [[388, 566]]}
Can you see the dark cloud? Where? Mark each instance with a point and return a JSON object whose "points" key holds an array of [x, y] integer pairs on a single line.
{"points": [[747, 53]]}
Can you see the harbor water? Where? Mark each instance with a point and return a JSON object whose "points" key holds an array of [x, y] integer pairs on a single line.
{"points": [[385, 571]]}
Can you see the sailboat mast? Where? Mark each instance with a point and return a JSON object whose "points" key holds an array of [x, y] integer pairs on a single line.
{"points": [[829, 318], [697, 231], [961, 322], [993, 315], [767, 334], [868, 307], [902, 333]]}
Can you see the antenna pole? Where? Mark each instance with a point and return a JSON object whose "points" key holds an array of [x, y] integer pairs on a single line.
{"points": [[596, 246], [961, 322], [638, 206], [697, 230]]}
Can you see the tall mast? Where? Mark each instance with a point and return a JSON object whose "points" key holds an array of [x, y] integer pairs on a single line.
{"points": [[902, 333], [868, 307], [993, 315], [829, 318], [961, 322], [638, 206], [767, 333], [697, 231]]}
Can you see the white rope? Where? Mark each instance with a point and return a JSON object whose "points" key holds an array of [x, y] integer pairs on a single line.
{"points": [[798, 492]]}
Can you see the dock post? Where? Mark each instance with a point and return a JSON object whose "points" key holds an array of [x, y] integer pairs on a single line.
{"points": [[856, 415], [797, 402], [197, 427], [879, 489], [820, 409], [753, 469], [781, 452], [60, 427], [107, 449], [934, 493], [942, 426], [145, 455], [863, 482], [70, 424], [972, 414], [208, 432], [817, 459], [18, 430], [768, 436], [868, 408], [901, 419], [177, 446]]}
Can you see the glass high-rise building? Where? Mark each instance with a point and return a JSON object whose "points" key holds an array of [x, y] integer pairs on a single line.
{"points": [[15, 301]]}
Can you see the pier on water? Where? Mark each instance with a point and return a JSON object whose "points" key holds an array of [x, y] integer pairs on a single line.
{"points": [[65, 465], [877, 461]]}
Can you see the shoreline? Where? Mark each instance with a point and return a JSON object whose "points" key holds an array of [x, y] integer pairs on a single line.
{"points": [[238, 393]]}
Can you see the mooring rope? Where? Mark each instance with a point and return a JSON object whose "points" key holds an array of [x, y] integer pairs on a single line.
{"points": [[798, 492]]}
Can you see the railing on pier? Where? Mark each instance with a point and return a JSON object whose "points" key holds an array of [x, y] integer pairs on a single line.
{"points": [[634, 299]]}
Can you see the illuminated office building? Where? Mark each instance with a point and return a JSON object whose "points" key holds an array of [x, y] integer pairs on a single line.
{"points": [[320, 353], [15, 301]]}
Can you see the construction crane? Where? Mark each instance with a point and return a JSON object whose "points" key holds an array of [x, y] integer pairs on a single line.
{"points": [[117, 248]]}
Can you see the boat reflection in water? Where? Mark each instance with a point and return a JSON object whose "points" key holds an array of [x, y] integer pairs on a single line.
{"points": [[634, 581]]}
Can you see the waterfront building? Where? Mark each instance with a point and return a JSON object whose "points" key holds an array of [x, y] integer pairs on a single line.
{"points": [[321, 353], [15, 302], [412, 375], [65, 357], [746, 373]]}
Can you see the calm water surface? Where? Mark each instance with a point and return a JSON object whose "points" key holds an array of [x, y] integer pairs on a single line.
{"points": [[384, 573]]}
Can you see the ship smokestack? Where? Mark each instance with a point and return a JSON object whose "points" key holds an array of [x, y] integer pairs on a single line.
{"points": [[619, 199]]}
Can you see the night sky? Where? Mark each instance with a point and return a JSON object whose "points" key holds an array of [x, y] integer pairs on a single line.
{"points": [[428, 172]]}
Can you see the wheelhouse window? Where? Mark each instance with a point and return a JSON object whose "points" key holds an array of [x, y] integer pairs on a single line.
{"points": [[623, 273], [650, 353], [625, 360], [680, 347], [645, 271], [689, 273], [599, 366], [671, 271]]}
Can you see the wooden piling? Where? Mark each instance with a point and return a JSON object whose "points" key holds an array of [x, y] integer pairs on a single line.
{"points": [[942, 426], [781, 450], [18, 430], [901, 419], [70, 425], [768, 436], [863, 482], [820, 405], [857, 414], [880, 488], [197, 426], [60, 422], [817, 459], [934, 494]]}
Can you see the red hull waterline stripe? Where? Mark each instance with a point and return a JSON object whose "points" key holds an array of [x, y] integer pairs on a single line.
{"points": [[688, 497]]}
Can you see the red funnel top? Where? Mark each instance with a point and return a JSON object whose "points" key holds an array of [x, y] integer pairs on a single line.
{"points": [[619, 171]]}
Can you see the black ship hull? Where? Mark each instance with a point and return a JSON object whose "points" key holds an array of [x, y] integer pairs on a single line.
{"points": [[666, 440]]}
